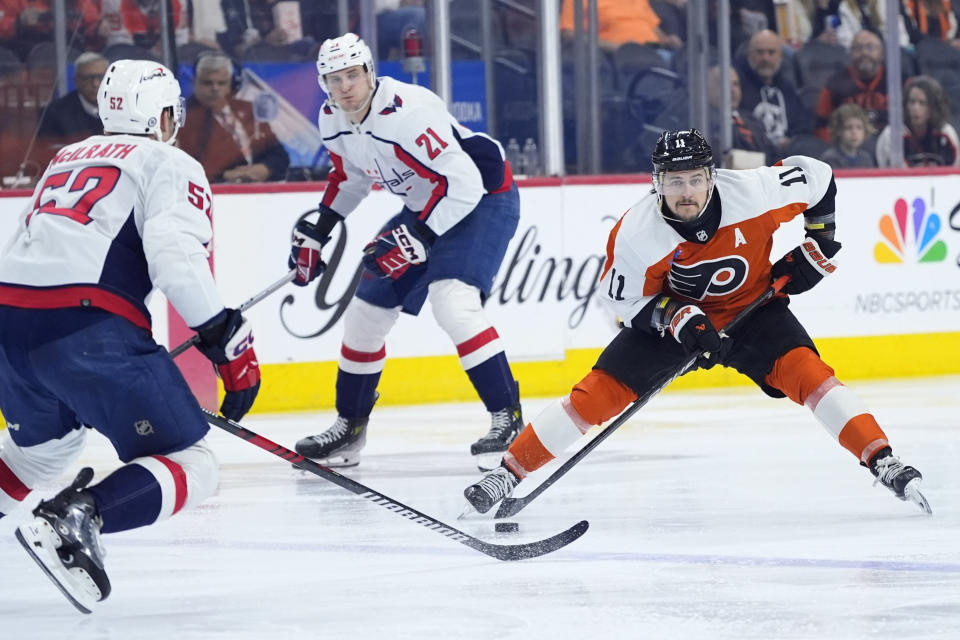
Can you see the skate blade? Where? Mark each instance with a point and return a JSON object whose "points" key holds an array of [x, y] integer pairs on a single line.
{"points": [[912, 493], [39, 540], [469, 513], [488, 461]]}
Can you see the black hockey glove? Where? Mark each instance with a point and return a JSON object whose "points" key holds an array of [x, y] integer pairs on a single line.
{"points": [[227, 341], [308, 240], [807, 264], [691, 327]]}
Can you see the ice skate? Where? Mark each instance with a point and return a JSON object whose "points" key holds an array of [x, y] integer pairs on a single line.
{"points": [[492, 488], [338, 446], [901, 479], [64, 540], [505, 425]]}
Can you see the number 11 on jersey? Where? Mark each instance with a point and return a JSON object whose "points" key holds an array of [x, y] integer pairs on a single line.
{"points": [[614, 276]]}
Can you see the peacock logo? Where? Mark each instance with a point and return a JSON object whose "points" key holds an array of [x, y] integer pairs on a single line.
{"points": [[924, 227]]}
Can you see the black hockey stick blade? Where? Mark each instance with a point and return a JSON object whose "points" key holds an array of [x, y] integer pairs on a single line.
{"points": [[512, 506], [498, 551]]}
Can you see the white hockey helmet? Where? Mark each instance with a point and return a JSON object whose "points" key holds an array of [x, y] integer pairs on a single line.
{"points": [[133, 95], [342, 53]]}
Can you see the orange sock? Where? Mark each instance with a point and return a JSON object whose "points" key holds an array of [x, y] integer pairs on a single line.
{"points": [[806, 379], [595, 399]]}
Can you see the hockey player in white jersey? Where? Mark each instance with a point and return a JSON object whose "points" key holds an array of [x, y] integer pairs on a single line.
{"points": [[461, 207], [112, 217], [686, 259]]}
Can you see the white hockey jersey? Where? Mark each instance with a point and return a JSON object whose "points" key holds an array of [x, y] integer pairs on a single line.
{"points": [[646, 256], [112, 217], [411, 146]]}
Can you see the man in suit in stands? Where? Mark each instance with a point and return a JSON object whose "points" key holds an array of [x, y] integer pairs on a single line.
{"points": [[73, 117], [221, 131]]}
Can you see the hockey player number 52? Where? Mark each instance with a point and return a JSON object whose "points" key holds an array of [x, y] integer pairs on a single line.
{"points": [[106, 179]]}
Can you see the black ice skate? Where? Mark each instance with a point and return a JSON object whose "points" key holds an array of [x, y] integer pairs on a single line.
{"points": [[64, 540], [902, 479], [338, 446], [505, 425], [492, 488]]}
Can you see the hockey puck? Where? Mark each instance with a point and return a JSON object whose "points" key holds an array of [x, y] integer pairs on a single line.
{"points": [[506, 527]]}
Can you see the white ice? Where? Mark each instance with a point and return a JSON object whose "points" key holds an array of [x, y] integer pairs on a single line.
{"points": [[718, 514]]}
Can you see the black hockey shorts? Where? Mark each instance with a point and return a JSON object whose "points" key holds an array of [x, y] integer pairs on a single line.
{"points": [[642, 360]]}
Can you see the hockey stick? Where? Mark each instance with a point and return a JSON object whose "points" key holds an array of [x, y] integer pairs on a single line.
{"points": [[288, 277], [512, 506], [500, 552]]}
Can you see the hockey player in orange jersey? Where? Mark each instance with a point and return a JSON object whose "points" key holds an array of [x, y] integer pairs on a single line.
{"points": [[685, 260]]}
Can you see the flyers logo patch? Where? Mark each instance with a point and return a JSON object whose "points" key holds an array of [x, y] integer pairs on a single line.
{"points": [[709, 278]]}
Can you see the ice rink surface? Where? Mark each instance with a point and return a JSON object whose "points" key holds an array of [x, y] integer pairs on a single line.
{"points": [[719, 514]]}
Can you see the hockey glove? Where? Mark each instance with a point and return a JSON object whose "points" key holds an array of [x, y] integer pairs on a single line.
{"points": [[227, 341], [807, 264], [308, 240], [393, 252], [691, 327]]}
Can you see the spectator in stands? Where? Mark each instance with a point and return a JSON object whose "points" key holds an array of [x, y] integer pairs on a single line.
{"points": [[864, 82], [252, 22], [849, 129], [927, 18], [394, 17], [747, 132], [768, 95], [139, 22], [26, 23], [929, 140], [673, 17], [620, 21], [221, 131], [837, 21], [73, 117]]}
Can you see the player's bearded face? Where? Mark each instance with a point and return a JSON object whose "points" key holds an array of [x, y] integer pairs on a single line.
{"points": [[686, 192]]}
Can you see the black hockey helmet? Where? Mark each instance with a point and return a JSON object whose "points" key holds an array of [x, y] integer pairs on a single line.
{"points": [[681, 150]]}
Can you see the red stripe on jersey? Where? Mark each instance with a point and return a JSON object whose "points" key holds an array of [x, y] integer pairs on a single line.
{"points": [[179, 482], [363, 356], [483, 338], [72, 296], [427, 174], [10, 484], [334, 179], [611, 241], [507, 179]]}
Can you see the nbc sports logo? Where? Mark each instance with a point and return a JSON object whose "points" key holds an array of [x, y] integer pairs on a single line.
{"points": [[909, 235]]}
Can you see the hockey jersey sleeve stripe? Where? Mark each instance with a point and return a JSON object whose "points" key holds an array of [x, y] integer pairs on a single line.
{"points": [[74, 296], [787, 212], [424, 172], [611, 242], [334, 179]]}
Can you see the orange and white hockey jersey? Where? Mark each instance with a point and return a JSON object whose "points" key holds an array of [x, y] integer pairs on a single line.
{"points": [[646, 256]]}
